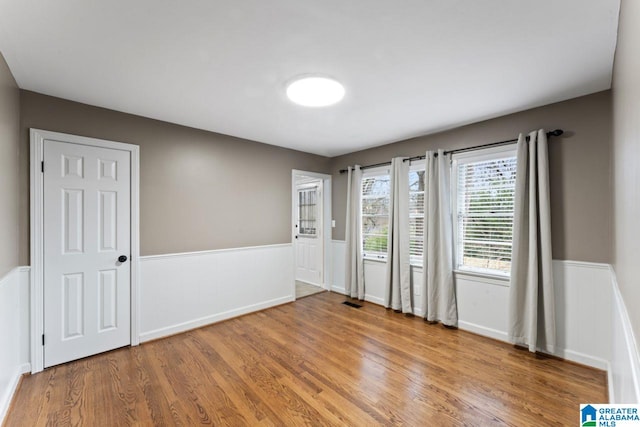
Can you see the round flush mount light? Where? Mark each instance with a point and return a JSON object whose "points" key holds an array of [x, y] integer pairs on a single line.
{"points": [[315, 91]]}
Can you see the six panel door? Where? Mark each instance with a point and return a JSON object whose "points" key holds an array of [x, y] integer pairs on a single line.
{"points": [[86, 229]]}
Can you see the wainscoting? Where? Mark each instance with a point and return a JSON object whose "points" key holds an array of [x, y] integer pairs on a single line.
{"points": [[177, 292], [624, 372], [14, 333], [593, 325], [188, 290], [183, 291]]}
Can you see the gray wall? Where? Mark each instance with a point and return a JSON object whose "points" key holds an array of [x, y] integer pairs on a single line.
{"points": [[198, 190], [579, 169], [9, 144], [626, 159]]}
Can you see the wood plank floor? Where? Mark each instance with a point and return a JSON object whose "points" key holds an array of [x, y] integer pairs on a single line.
{"points": [[305, 289], [312, 362]]}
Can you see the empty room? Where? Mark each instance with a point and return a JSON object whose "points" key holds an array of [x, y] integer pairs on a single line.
{"points": [[319, 213]]}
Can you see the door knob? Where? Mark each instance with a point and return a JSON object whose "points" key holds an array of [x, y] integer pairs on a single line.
{"points": [[122, 258]]}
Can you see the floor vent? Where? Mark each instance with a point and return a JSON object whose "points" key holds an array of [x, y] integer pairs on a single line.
{"points": [[352, 304]]}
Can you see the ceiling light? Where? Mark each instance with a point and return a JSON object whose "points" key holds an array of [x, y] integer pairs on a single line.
{"points": [[315, 91]]}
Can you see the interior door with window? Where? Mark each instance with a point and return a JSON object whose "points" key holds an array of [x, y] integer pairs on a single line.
{"points": [[86, 250], [308, 233]]}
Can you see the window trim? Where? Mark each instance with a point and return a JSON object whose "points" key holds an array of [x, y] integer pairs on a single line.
{"points": [[485, 154], [368, 173]]}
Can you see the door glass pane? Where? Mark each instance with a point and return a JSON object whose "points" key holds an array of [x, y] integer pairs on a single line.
{"points": [[307, 211]]}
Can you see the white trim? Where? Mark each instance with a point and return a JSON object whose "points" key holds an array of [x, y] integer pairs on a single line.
{"points": [[375, 259], [37, 138], [37, 245], [211, 251], [327, 256], [13, 386], [483, 154], [610, 383], [377, 171], [13, 278], [583, 264], [338, 290], [501, 280], [11, 272], [483, 331], [492, 279], [374, 299], [135, 244], [629, 339], [577, 357], [207, 320]]}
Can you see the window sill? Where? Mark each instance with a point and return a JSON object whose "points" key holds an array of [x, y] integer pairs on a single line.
{"points": [[384, 261], [494, 279]]}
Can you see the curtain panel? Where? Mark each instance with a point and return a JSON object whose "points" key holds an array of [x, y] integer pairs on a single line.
{"points": [[531, 294], [439, 293], [354, 267], [398, 295]]}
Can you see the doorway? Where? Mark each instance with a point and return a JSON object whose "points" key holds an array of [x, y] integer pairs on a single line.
{"points": [[84, 236], [311, 231]]}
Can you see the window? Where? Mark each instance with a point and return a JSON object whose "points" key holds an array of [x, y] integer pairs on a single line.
{"points": [[484, 186], [416, 213], [375, 213], [307, 211], [376, 187]]}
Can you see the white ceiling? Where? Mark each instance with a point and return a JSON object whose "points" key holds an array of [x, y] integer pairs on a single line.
{"points": [[410, 68]]}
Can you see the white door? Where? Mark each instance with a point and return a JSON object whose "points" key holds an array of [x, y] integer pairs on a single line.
{"points": [[86, 229], [308, 233]]}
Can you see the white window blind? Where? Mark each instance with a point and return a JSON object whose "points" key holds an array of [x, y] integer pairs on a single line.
{"points": [[484, 206], [375, 215], [416, 215]]}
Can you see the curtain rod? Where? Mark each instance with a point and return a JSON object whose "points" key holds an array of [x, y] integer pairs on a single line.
{"points": [[556, 132]]}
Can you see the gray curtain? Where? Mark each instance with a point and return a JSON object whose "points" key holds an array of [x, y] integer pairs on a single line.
{"points": [[398, 281], [439, 293], [354, 267], [531, 296]]}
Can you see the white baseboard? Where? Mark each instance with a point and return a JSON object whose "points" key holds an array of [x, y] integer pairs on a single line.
{"points": [[338, 290], [208, 320], [581, 358], [374, 299], [14, 334], [483, 330], [610, 384], [6, 399]]}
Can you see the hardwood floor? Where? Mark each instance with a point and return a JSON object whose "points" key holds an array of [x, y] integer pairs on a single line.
{"points": [[305, 289], [312, 362]]}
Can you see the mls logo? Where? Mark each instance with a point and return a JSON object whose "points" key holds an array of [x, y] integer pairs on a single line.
{"points": [[609, 415], [587, 415]]}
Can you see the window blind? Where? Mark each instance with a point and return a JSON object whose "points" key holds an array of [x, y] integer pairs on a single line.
{"points": [[485, 201], [375, 215], [416, 215]]}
